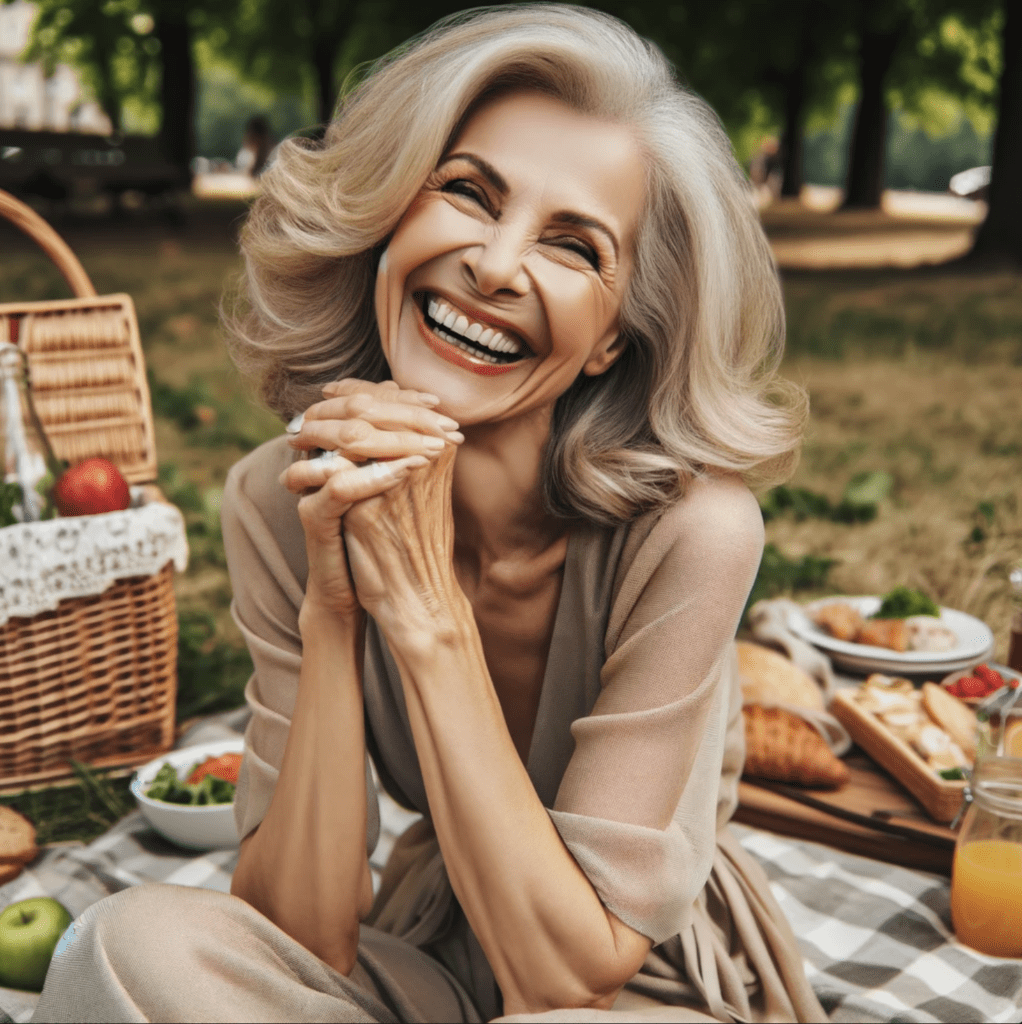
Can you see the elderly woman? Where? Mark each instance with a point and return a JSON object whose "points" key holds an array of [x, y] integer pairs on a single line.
{"points": [[520, 299]]}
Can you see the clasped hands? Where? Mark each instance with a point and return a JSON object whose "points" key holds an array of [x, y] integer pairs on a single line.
{"points": [[379, 534]]}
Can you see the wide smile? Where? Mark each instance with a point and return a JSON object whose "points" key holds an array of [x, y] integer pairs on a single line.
{"points": [[458, 337]]}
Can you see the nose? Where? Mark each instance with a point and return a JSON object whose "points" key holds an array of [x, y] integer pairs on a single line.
{"points": [[495, 266]]}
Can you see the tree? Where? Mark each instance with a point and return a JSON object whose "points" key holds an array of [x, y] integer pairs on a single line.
{"points": [[1000, 236], [133, 51]]}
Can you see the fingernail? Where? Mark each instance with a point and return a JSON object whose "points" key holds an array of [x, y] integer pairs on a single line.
{"points": [[448, 424], [296, 424], [428, 399], [434, 444]]}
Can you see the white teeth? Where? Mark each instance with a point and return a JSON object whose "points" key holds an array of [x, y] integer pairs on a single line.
{"points": [[442, 314]]}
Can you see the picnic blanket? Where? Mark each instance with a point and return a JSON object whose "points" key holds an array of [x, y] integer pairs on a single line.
{"points": [[876, 939]]}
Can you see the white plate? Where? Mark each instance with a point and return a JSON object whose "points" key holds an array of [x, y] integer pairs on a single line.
{"points": [[975, 642]]}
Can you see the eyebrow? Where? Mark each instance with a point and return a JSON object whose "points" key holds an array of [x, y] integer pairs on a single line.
{"points": [[497, 180]]}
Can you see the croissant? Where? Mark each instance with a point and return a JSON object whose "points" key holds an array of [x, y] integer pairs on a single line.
{"points": [[785, 748]]}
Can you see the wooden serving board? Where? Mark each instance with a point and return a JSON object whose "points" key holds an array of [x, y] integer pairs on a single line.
{"points": [[872, 815], [942, 798]]}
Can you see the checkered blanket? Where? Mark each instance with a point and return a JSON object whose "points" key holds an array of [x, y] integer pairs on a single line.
{"points": [[876, 939]]}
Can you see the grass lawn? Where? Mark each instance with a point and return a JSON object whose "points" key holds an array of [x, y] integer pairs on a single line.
{"points": [[912, 373]]}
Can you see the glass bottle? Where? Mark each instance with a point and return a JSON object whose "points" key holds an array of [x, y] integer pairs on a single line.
{"points": [[986, 877], [30, 466]]}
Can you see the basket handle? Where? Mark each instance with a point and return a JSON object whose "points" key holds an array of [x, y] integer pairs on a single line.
{"points": [[25, 218]]}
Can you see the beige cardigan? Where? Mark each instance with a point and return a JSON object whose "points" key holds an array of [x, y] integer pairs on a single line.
{"points": [[636, 751]]}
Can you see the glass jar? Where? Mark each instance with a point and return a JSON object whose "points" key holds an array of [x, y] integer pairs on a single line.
{"points": [[986, 878]]}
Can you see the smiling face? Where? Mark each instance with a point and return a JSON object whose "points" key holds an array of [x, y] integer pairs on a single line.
{"points": [[505, 277]]}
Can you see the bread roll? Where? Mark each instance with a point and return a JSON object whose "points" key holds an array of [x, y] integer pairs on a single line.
{"points": [[17, 838], [785, 748], [770, 678]]}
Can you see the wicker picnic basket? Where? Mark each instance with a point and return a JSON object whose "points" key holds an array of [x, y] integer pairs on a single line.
{"points": [[94, 680]]}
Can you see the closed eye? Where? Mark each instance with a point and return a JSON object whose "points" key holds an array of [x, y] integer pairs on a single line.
{"points": [[584, 249], [464, 187]]}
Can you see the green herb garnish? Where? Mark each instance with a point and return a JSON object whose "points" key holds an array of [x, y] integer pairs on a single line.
{"points": [[211, 790], [902, 602], [951, 774]]}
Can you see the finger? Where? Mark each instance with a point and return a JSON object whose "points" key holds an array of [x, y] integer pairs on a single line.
{"points": [[390, 388], [306, 473], [381, 412], [339, 490]]}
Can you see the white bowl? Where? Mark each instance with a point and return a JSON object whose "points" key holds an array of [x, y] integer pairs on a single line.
{"points": [[195, 828]]}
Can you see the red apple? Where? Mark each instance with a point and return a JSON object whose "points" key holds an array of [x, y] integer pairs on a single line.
{"points": [[91, 487]]}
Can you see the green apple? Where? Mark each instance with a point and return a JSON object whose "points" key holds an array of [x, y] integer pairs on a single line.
{"points": [[29, 931]]}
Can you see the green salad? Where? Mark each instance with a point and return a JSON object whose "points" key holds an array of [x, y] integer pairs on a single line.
{"points": [[902, 602], [211, 790]]}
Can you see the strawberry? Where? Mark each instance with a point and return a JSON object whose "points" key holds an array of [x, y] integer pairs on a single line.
{"points": [[989, 676], [91, 487], [970, 686]]}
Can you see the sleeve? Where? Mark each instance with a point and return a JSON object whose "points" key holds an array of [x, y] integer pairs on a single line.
{"points": [[266, 560], [638, 805]]}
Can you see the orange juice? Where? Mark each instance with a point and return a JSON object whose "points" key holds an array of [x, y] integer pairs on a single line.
{"points": [[986, 896]]}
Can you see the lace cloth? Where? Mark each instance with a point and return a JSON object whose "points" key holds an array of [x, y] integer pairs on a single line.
{"points": [[44, 563]]}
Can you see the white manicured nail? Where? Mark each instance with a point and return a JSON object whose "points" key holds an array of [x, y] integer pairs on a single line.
{"points": [[296, 424]]}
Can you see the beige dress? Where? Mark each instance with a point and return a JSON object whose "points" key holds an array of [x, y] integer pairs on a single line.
{"points": [[639, 713]]}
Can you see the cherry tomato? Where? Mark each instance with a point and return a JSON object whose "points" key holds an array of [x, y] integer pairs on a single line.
{"points": [[224, 767]]}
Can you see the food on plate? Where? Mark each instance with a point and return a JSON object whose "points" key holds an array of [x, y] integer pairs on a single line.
{"points": [[903, 603], [925, 634], [17, 843], [958, 720], [225, 767], [889, 633], [841, 620], [936, 724], [770, 678], [211, 790], [91, 487], [907, 620], [29, 932], [782, 747]]}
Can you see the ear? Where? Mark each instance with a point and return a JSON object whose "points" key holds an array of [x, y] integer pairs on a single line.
{"points": [[606, 353]]}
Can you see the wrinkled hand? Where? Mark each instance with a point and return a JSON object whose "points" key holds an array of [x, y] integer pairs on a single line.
{"points": [[357, 421], [400, 547]]}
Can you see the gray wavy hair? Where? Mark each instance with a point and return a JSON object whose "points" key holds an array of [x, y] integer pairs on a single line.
{"points": [[696, 387]]}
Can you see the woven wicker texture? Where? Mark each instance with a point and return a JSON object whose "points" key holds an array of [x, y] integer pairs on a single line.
{"points": [[88, 379], [95, 679]]}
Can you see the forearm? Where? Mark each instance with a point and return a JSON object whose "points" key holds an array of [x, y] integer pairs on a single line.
{"points": [[548, 937], [305, 866]]}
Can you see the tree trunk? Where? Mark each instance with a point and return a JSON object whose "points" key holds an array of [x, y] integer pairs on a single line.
{"points": [[177, 89], [791, 138], [796, 88], [865, 183], [1000, 236], [323, 54]]}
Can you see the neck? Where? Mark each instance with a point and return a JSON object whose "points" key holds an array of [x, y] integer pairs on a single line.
{"points": [[497, 491]]}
